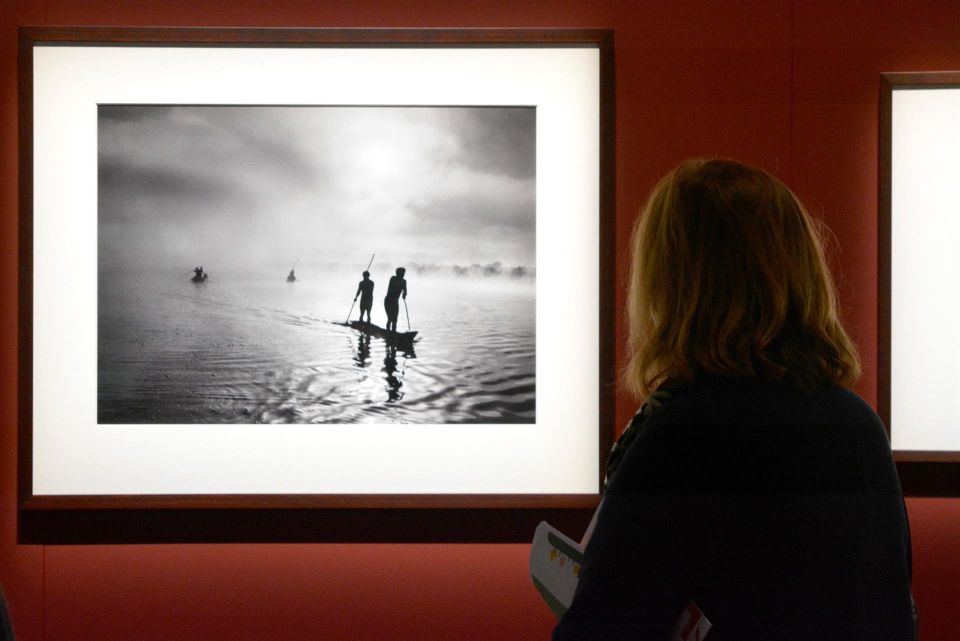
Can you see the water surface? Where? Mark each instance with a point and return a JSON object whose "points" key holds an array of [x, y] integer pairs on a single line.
{"points": [[240, 350]]}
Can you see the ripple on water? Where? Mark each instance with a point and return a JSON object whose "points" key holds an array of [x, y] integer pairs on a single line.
{"points": [[262, 355]]}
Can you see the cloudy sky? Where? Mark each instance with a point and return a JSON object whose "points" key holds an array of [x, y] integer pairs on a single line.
{"points": [[257, 186]]}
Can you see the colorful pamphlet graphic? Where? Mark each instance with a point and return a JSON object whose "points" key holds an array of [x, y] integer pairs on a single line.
{"points": [[555, 566]]}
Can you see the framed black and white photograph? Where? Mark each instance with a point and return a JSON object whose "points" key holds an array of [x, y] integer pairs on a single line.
{"points": [[919, 395], [339, 276], [280, 317]]}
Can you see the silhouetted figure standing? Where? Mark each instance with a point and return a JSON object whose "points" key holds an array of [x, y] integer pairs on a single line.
{"points": [[365, 292], [291, 277], [391, 303], [199, 275]]}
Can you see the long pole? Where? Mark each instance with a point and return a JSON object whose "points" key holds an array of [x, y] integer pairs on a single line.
{"points": [[408, 313], [355, 298]]}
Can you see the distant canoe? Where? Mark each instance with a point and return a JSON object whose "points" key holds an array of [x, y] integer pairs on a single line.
{"points": [[397, 338], [199, 279]]}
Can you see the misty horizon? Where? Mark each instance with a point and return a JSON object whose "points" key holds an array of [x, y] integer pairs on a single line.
{"points": [[254, 187]]}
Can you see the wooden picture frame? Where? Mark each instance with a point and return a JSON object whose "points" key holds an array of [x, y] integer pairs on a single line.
{"points": [[108, 510], [909, 388]]}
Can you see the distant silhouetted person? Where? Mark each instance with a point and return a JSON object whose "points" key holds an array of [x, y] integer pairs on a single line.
{"points": [[199, 275], [365, 292], [291, 277], [391, 303]]}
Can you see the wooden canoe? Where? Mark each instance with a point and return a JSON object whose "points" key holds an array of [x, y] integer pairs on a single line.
{"points": [[396, 338]]}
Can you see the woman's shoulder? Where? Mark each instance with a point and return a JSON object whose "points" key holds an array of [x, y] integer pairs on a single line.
{"points": [[723, 435], [752, 418], [730, 401]]}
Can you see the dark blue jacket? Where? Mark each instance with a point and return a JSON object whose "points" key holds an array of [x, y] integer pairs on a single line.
{"points": [[778, 513]]}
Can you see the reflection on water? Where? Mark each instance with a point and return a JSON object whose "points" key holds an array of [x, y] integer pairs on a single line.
{"points": [[273, 352], [394, 374]]}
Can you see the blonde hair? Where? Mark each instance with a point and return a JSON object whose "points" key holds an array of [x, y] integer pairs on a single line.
{"points": [[729, 278]]}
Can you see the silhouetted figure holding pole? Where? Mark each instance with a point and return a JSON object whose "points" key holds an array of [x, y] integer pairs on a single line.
{"points": [[365, 292], [391, 303], [199, 275], [291, 277]]}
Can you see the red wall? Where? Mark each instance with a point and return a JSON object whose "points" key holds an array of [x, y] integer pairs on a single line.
{"points": [[790, 86]]}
